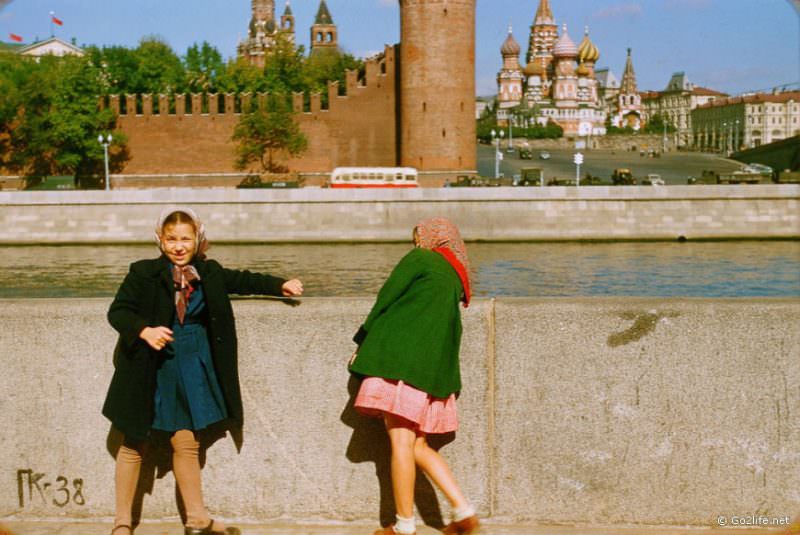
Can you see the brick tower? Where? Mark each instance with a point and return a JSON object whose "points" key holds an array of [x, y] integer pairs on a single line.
{"points": [[437, 85], [323, 31]]}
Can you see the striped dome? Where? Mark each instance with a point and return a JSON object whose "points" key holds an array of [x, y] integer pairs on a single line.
{"points": [[565, 47], [510, 45], [587, 52]]}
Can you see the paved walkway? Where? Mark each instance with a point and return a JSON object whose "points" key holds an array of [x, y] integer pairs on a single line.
{"points": [[73, 528]]}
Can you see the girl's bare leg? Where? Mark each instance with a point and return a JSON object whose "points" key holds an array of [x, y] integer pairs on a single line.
{"points": [[403, 467], [437, 469]]}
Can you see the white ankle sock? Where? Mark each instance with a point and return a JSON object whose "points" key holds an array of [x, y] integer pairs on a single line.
{"points": [[460, 513], [405, 525]]}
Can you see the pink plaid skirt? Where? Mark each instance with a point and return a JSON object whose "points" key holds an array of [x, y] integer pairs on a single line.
{"points": [[429, 414]]}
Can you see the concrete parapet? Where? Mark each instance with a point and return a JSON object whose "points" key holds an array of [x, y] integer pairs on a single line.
{"points": [[496, 214], [592, 411]]}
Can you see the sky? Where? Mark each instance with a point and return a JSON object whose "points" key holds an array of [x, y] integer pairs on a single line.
{"points": [[732, 46]]}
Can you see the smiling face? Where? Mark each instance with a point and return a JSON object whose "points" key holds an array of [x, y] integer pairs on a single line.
{"points": [[179, 242]]}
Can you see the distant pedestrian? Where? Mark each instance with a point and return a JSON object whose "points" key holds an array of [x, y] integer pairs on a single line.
{"points": [[176, 368], [408, 356]]}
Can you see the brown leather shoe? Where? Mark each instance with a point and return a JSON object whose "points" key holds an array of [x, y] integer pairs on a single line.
{"points": [[465, 526], [388, 530]]}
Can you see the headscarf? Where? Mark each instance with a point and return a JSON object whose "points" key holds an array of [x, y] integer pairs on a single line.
{"points": [[184, 276], [441, 235]]}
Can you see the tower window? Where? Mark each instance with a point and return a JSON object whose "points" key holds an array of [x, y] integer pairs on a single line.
{"points": [[319, 37], [444, 133], [424, 107]]}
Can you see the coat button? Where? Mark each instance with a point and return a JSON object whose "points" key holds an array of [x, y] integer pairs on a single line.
{"points": [[219, 339]]}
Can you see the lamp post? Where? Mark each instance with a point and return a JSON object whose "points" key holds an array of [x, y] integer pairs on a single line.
{"points": [[664, 136], [105, 142], [497, 154], [736, 137], [510, 134]]}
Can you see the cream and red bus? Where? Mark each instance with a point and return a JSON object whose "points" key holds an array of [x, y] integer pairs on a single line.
{"points": [[374, 177]]}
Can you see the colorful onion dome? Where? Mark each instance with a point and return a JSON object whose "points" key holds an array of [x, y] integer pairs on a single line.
{"points": [[510, 45], [587, 52], [565, 47]]}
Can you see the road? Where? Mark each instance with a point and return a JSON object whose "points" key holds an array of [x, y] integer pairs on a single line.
{"points": [[674, 167]]}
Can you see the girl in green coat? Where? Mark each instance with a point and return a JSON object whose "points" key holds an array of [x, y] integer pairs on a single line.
{"points": [[408, 356]]}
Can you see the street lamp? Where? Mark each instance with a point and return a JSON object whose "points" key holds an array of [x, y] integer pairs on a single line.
{"points": [[736, 137], [497, 154], [105, 142], [510, 135]]}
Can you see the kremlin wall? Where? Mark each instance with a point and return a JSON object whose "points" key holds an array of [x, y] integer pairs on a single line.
{"points": [[415, 106], [357, 128]]}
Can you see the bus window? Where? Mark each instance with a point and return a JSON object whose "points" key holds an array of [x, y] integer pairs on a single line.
{"points": [[398, 176]]}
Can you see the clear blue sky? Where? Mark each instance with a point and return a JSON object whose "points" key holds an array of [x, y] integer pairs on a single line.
{"points": [[729, 45]]}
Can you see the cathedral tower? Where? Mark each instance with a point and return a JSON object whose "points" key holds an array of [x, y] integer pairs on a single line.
{"points": [[629, 103], [323, 32], [287, 22], [544, 34], [260, 33], [437, 85]]}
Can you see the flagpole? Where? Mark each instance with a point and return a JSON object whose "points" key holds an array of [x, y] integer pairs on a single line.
{"points": [[52, 28]]}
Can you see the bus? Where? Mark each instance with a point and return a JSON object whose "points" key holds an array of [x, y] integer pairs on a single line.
{"points": [[374, 177]]}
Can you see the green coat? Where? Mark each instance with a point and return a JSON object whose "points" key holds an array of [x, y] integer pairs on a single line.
{"points": [[413, 332]]}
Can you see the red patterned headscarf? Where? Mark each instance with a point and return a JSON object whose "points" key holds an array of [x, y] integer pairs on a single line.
{"points": [[441, 235]]}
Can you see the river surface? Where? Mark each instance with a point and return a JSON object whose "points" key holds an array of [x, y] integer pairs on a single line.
{"points": [[663, 269]]}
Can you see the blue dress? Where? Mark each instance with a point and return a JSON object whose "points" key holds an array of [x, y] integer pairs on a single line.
{"points": [[188, 395]]}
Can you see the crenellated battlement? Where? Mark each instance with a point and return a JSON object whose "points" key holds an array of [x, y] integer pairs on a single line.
{"points": [[192, 133], [379, 75]]}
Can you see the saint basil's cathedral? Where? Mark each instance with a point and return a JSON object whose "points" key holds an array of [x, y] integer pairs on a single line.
{"points": [[559, 82]]}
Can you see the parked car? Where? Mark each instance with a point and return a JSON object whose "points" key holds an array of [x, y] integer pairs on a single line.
{"points": [[653, 180], [544, 155]]}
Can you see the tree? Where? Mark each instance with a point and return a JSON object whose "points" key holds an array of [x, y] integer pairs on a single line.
{"points": [[657, 124], [159, 69], [326, 65], [203, 67], [58, 121], [263, 133]]}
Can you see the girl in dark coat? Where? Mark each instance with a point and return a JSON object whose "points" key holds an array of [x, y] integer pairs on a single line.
{"points": [[176, 364], [408, 356]]}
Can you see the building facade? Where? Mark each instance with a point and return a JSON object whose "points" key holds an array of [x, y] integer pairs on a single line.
{"points": [[675, 104], [731, 124]]}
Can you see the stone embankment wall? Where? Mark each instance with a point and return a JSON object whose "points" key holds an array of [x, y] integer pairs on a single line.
{"points": [[591, 411], [491, 214]]}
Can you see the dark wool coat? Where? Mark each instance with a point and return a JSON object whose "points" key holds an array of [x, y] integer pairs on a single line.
{"points": [[146, 298]]}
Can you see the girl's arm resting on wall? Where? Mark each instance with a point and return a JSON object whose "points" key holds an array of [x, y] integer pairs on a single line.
{"points": [[249, 283]]}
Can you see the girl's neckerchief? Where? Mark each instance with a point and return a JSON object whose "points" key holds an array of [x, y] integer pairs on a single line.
{"points": [[183, 277]]}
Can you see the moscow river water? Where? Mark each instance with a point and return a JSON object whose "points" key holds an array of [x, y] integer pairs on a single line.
{"points": [[656, 269]]}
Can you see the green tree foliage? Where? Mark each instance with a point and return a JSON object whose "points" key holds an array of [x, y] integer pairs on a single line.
{"points": [[203, 68], [264, 134], [329, 64], [57, 120], [160, 69], [657, 124]]}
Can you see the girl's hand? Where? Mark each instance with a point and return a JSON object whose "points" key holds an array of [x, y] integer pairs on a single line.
{"points": [[156, 337], [292, 288]]}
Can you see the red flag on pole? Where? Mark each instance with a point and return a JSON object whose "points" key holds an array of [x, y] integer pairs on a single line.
{"points": [[15, 37], [57, 21]]}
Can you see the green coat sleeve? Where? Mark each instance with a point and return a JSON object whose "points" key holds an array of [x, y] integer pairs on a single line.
{"points": [[401, 278]]}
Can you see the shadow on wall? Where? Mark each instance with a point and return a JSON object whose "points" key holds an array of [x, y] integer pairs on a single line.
{"points": [[370, 443]]}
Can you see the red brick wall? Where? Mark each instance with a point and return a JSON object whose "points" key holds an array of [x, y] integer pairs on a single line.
{"points": [[358, 129], [437, 84]]}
